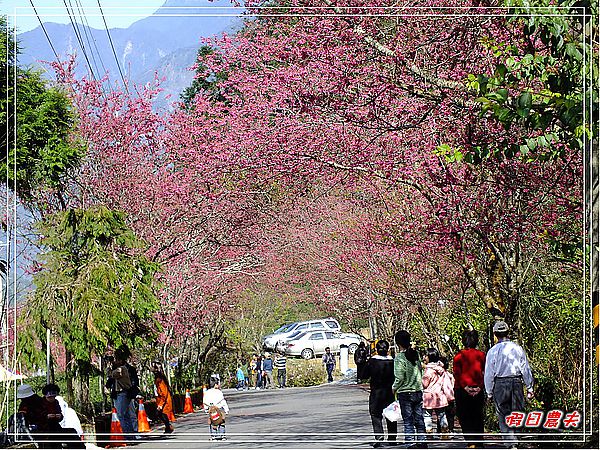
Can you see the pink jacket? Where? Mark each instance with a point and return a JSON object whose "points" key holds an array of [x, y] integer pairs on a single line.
{"points": [[438, 386]]}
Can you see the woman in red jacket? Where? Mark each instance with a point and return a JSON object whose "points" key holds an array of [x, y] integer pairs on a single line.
{"points": [[469, 365]]}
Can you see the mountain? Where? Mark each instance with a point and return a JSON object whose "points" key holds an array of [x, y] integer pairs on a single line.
{"points": [[165, 42]]}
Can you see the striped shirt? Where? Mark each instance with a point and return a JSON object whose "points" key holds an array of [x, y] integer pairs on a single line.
{"points": [[280, 362]]}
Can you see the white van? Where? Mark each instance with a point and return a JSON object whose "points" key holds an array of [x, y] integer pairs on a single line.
{"points": [[328, 324]]}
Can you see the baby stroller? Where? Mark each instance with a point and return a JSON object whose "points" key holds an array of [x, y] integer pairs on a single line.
{"points": [[17, 432]]}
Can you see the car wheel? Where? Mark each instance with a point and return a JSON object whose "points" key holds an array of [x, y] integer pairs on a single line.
{"points": [[307, 353], [352, 348]]}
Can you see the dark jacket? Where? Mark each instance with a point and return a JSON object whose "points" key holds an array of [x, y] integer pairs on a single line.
{"points": [[380, 370], [33, 410]]}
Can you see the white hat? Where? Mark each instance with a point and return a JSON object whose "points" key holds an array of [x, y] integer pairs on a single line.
{"points": [[500, 327], [24, 391]]}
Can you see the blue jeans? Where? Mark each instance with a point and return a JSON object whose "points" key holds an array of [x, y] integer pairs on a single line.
{"points": [[330, 368], [217, 432], [411, 405], [122, 405]]}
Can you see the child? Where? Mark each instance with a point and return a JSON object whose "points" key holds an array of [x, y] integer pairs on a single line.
{"points": [[240, 378], [216, 407], [449, 387], [435, 394]]}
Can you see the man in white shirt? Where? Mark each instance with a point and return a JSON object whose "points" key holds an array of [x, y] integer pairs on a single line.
{"points": [[506, 370]]}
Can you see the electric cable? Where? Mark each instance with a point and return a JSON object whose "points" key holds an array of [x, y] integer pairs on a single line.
{"points": [[81, 45], [45, 32], [113, 47]]}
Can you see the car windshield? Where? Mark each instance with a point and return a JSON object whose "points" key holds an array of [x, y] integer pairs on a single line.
{"points": [[284, 328], [295, 334]]}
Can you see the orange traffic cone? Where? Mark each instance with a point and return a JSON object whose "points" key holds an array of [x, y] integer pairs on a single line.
{"points": [[188, 407], [143, 425], [116, 432]]}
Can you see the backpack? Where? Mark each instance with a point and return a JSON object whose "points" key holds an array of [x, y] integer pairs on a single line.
{"points": [[134, 390], [216, 416]]}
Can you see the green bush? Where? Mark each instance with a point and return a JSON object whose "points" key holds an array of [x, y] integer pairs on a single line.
{"points": [[301, 372]]}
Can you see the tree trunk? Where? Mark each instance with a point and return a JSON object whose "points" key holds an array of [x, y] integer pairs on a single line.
{"points": [[70, 375], [82, 389]]}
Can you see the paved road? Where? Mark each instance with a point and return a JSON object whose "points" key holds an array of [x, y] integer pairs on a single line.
{"points": [[329, 416]]}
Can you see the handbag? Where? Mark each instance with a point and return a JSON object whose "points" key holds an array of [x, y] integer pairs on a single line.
{"points": [[392, 412]]}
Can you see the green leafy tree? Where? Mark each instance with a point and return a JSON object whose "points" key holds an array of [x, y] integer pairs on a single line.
{"points": [[542, 85], [94, 290], [205, 82], [39, 137]]}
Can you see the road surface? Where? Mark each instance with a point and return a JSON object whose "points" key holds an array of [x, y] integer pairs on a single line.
{"points": [[328, 416]]}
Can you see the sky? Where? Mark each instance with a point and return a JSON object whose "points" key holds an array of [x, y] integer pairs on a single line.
{"points": [[117, 15]]}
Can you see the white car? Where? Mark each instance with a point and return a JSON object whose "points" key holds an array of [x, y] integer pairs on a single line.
{"points": [[313, 343], [270, 342]]}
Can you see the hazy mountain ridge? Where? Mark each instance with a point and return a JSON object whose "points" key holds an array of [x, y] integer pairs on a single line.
{"points": [[158, 43]]}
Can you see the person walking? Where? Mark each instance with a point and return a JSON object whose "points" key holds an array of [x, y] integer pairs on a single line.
{"points": [[241, 379], [259, 372], [268, 372], [216, 407], [252, 371], [408, 386], [280, 365], [380, 369], [123, 353], [361, 355], [506, 371], [119, 383], [245, 373], [164, 399], [468, 365], [449, 386], [329, 363], [435, 394]]}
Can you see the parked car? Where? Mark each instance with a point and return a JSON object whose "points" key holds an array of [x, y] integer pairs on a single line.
{"points": [[328, 324], [313, 343]]}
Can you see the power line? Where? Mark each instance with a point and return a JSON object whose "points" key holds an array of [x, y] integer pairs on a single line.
{"points": [[45, 32], [77, 35], [86, 35], [113, 48], [91, 39]]}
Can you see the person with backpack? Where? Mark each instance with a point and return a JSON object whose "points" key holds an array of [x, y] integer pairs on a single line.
{"points": [[437, 392], [164, 398], [329, 363], [119, 383], [124, 354], [380, 369], [408, 386], [216, 407]]}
